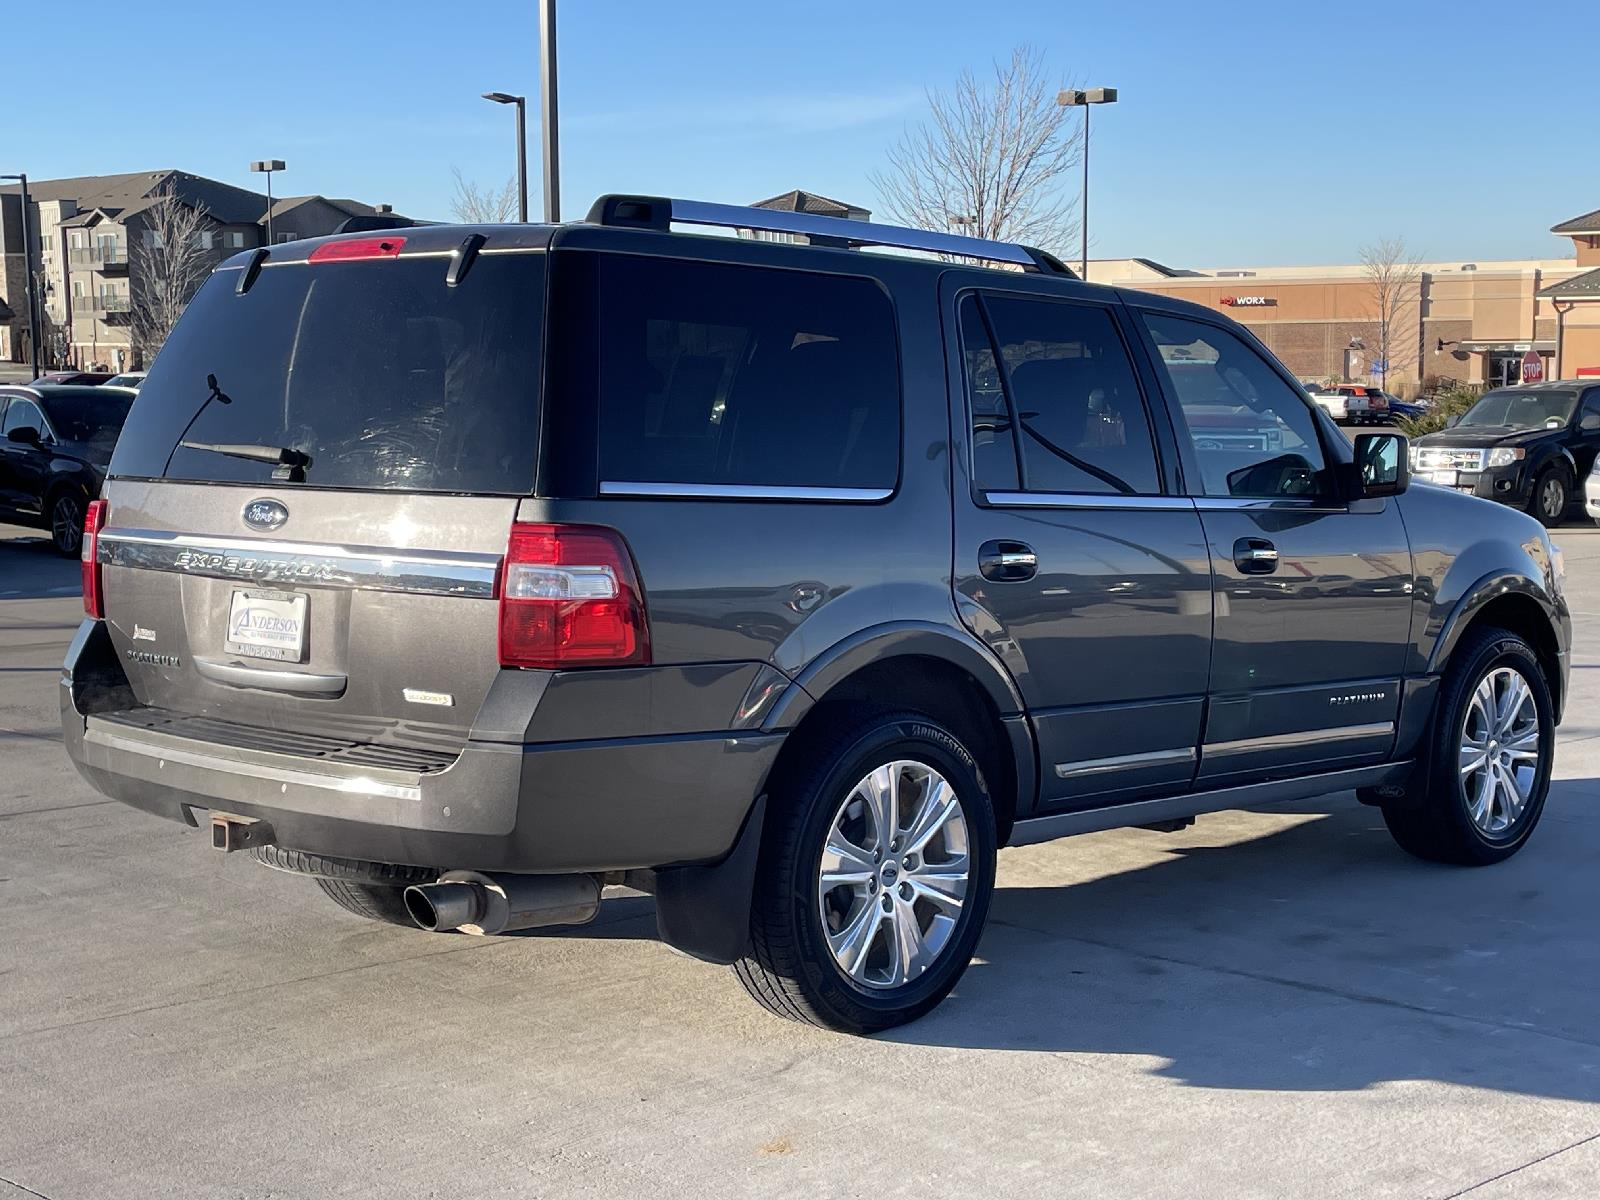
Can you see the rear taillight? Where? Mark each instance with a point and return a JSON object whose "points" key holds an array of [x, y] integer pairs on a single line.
{"points": [[569, 597], [94, 520]]}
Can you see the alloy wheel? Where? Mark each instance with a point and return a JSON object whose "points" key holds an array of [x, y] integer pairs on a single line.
{"points": [[1499, 755], [894, 874], [1553, 497], [66, 524]]}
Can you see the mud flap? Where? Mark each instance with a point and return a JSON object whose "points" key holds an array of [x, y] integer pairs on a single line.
{"points": [[705, 911]]}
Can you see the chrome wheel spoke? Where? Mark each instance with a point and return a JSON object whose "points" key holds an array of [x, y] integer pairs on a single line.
{"points": [[908, 955], [845, 863], [850, 944], [938, 805], [879, 791]]}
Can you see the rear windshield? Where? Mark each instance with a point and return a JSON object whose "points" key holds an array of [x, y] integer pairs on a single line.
{"points": [[87, 416], [377, 370]]}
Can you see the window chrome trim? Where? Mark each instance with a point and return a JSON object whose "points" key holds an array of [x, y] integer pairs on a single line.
{"points": [[1304, 737], [252, 560], [1088, 500], [1124, 762], [741, 491], [1265, 504]]}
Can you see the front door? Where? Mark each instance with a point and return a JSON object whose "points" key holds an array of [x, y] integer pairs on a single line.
{"points": [[1313, 594], [23, 465], [1075, 560]]}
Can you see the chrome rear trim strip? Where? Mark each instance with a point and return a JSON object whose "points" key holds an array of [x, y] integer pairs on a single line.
{"points": [[739, 491], [1124, 762], [1304, 737], [248, 560], [354, 784]]}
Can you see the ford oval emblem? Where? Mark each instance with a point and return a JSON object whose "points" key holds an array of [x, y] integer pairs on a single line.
{"points": [[265, 514]]}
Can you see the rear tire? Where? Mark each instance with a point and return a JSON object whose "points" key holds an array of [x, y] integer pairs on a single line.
{"points": [[66, 523], [1476, 815], [887, 941]]}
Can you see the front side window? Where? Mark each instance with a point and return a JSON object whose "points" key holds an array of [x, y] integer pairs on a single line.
{"points": [[1254, 436], [743, 377], [1056, 395], [23, 414]]}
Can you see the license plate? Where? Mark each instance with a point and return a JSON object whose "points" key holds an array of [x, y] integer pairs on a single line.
{"points": [[1448, 478], [268, 625]]}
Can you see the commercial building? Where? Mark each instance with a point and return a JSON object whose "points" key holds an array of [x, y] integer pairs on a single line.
{"points": [[86, 234], [1471, 321]]}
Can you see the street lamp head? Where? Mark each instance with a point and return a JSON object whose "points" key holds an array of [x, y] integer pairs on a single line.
{"points": [[267, 165], [503, 97], [1079, 97]]}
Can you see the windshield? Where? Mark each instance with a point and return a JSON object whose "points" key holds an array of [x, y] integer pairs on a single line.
{"points": [[378, 373], [87, 416], [1521, 410]]}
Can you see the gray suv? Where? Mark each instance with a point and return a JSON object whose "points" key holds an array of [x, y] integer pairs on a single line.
{"points": [[469, 571]]}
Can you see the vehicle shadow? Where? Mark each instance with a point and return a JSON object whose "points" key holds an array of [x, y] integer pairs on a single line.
{"points": [[1316, 958], [30, 568]]}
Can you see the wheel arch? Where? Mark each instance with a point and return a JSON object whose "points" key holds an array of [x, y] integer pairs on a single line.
{"points": [[1509, 600]]}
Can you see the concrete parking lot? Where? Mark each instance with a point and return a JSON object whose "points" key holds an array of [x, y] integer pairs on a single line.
{"points": [[1269, 1004]]}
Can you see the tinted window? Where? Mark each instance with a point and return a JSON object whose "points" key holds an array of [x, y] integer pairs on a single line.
{"points": [[382, 374], [22, 414], [1081, 420], [1253, 434], [994, 449], [740, 376], [88, 416]]}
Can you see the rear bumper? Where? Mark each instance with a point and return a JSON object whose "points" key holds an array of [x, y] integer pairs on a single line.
{"points": [[614, 804]]}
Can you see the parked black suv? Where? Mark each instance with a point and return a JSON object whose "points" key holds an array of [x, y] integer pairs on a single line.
{"points": [[55, 442], [1530, 446], [469, 570]]}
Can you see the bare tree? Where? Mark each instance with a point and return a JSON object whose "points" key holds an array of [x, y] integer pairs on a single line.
{"points": [[169, 265], [1394, 276], [991, 159], [473, 205]]}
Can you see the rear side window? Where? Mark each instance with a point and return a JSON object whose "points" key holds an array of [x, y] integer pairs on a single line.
{"points": [[381, 373], [1070, 392], [744, 377]]}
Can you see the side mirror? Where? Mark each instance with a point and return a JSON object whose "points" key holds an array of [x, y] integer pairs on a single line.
{"points": [[1590, 420], [1383, 464], [25, 434], [1452, 420]]}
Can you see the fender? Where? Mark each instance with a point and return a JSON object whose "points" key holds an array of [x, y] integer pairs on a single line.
{"points": [[895, 639], [1555, 453], [1489, 587]]}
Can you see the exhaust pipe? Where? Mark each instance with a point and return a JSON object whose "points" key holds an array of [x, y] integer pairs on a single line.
{"points": [[473, 902]]}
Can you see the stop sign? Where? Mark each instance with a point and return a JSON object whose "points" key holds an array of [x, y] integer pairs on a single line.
{"points": [[1532, 367]]}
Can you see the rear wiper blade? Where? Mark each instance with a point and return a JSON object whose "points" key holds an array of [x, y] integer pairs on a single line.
{"points": [[288, 465]]}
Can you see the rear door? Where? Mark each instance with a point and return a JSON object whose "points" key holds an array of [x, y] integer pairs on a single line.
{"points": [[1313, 594], [350, 593], [1074, 559]]}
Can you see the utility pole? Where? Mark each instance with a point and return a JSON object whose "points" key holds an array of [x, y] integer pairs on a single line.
{"points": [[547, 110], [27, 274]]}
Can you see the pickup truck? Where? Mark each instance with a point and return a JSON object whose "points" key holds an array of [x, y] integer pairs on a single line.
{"points": [[1354, 404]]}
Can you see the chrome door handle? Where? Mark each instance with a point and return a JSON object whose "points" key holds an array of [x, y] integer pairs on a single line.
{"points": [[1007, 562], [1255, 556]]}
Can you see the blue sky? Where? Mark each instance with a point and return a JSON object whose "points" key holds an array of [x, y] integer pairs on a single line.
{"points": [[1247, 132]]}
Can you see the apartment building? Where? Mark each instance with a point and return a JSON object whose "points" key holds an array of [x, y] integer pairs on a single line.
{"points": [[86, 236]]}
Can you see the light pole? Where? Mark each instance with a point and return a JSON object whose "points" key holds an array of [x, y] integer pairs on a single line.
{"points": [[267, 166], [27, 273], [522, 147], [547, 110], [1078, 98]]}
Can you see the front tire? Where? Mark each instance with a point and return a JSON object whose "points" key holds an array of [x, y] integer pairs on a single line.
{"points": [[1551, 496], [1493, 749], [876, 871]]}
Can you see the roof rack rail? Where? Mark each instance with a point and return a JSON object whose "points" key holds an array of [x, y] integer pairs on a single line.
{"points": [[659, 213]]}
